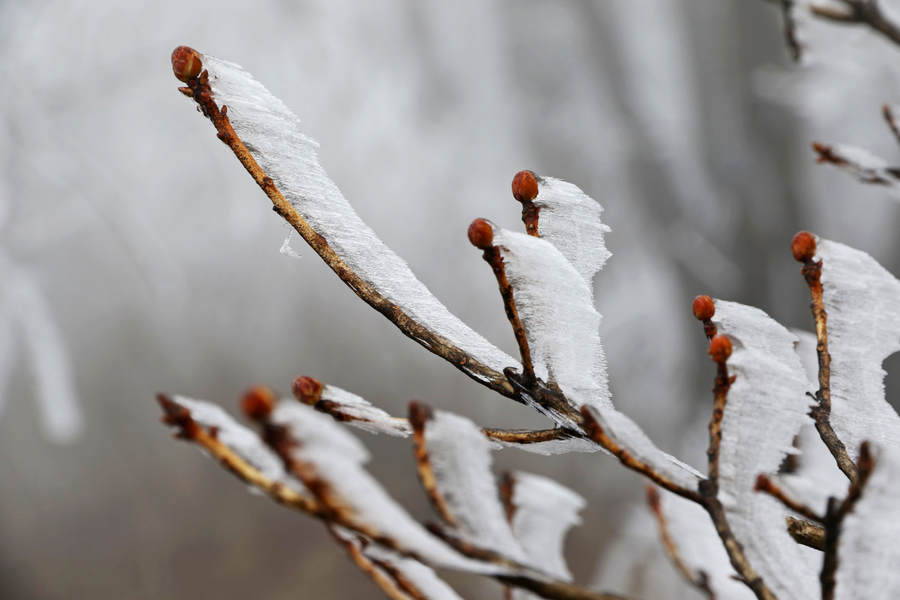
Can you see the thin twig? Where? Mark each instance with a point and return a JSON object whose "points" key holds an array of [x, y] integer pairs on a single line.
{"points": [[698, 579], [887, 176], [527, 436], [803, 246], [596, 432], [862, 12], [888, 115], [806, 533], [834, 519], [383, 578], [765, 485], [419, 415], [789, 28], [199, 90]]}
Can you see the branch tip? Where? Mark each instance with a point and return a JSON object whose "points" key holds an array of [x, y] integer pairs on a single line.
{"points": [[803, 246], [719, 349], [307, 390], [258, 402], [481, 234], [186, 63]]}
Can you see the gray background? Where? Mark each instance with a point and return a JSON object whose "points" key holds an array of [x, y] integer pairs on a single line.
{"points": [[159, 258]]}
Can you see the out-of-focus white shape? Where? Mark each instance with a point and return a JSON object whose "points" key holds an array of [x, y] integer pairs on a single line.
{"points": [[767, 405], [27, 308], [570, 220], [868, 553], [273, 135], [544, 512], [862, 300], [287, 247], [337, 457], [557, 311], [239, 438], [460, 456], [363, 414]]}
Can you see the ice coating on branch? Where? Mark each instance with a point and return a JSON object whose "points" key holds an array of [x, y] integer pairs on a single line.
{"points": [[338, 461], [868, 553], [553, 447], [359, 412], [570, 220], [862, 300], [544, 511], [273, 135], [767, 406], [863, 165], [422, 577], [460, 457], [240, 439], [556, 308]]}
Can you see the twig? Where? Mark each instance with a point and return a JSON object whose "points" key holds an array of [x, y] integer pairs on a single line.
{"points": [[806, 533], [719, 351], [383, 578], [803, 247], [528, 436], [596, 432], [525, 190], [887, 176], [419, 414], [765, 485], [698, 579], [199, 90], [834, 518], [790, 28], [864, 12], [481, 234], [888, 115]]}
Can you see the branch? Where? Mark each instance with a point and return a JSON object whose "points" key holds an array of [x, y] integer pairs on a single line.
{"points": [[891, 120], [596, 432], [790, 28], [803, 247], [765, 485], [698, 579], [862, 12], [385, 577], [199, 90], [834, 518], [527, 436], [853, 160], [806, 533]]}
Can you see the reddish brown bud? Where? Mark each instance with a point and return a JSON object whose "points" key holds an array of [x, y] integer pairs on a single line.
{"points": [[763, 483], [803, 246], [186, 63], [481, 234], [524, 186], [307, 389], [720, 348], [703, 308], [257, 402]]}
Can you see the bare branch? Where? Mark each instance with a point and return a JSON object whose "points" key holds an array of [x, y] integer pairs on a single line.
{"points": [[866, 173], [765, 485], [698, 579], [385, 579], [862, 12], [888, 114], [803, 247], [528, 436], [806, 533]]}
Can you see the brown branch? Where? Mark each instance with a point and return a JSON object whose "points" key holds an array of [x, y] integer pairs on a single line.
{"points": [[806, 533], [177, 416], [888, 115], [765, 485], [527, 436], [525, 190], [829, 154], [803, 247], [419, 414], [383, 578], [719, 350], [596, 432], [199, 90], [698, 579], [789, 28], [834, 519], [862, 12]]}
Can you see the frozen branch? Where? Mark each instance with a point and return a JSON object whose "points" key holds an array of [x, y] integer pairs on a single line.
{"points": [[806, 533], [860, 12], [765, 485]]}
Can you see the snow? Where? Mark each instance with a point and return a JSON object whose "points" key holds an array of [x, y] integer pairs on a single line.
{"points": [[862, 300], [767, 406], [274, 137], [364, 415]]}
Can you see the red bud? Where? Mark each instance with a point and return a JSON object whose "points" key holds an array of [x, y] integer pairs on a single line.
{"points": [[524, 186], [307, 389], [481, 234], [803, 246], [720, 348], [186, 63], [703, 308], [257, 402]]}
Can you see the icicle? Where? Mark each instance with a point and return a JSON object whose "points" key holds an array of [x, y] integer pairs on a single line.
{"points": [[862, 300], [767, 406], [273, 135]]}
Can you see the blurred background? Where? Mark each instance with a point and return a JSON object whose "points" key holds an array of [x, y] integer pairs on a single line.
{"points": [[136, 256]]}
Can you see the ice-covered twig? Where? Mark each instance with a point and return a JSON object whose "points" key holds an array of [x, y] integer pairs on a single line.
{"points": [[864, 12], [803, 247], [698, 579], [266, 138], [765, 485], [834, 518], [859, 162]]}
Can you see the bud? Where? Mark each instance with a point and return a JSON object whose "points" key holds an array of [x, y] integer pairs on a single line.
{"points": [[186, 63], [703, 308], [481, 234], [803, 246], [524, 186], [720, 348], [257, 402], [307, 389]]}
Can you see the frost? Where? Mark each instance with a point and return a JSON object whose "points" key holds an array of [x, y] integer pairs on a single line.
{"points": [[337, 457], [240, 439], [273, 135], [460, 456], [868, 553], [570, 220], [359, 412], [862, 300], [766, 408], [543, 512], [287, 247]]}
